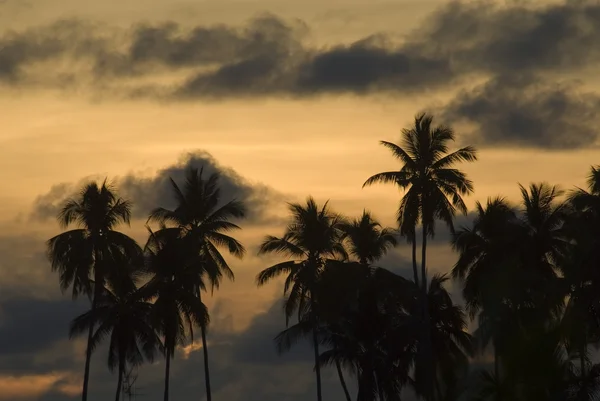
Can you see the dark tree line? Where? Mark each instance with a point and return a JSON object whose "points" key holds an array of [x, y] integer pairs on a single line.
{"points": [[529, 273]]}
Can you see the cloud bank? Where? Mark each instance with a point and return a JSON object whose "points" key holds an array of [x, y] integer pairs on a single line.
{"points": [[524, 56], [147, 193]]}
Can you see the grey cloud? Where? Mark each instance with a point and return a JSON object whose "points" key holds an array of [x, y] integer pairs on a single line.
{"points": [[33, 334], [370, 65], [256, 345], [269, 56], [513, 37], [526, 111], [149, 193]]}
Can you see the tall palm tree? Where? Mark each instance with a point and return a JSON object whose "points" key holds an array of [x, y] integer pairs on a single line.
{"points": [[434, 188], [353, 285], [509, 265], [85, 256], [451, 342], [312, 238], [127, 320], [205, 220], [174, 288], [581, 319]]}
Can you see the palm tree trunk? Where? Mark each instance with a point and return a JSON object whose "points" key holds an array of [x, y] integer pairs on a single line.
{"points": [[582, 353], [414, 259], [341, 375], [423, 262], [167, 373], [316, 349], [496, 361], [205, 352], [88, 350], [428, 346], [206, 372], [120, 380]]}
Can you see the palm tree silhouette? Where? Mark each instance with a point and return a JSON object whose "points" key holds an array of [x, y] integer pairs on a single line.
{"points": [[487, 250], [174, 288], [366, 242], [201, 217], [127, 320], [312, 238], [85, 257], [581, 319], [434, 189], [451, 342]]}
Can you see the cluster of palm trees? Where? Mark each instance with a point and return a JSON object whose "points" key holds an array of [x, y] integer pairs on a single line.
{"points": [[529, 273], [145, 300]]}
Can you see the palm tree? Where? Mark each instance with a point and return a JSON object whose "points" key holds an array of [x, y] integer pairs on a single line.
{"points": [[363, 328], [452, 344], [581, 319], [174, 288], [486, 252], [434, 189], [127, 320], [85, 256], [509, 265], [366, 242], [312, 239], [205, 220]]}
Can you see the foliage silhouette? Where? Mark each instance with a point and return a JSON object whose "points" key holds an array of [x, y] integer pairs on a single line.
{"points": [[89, 256], [313, 238], [528, 273], [434, 190], [126, 319], [202, 219]]}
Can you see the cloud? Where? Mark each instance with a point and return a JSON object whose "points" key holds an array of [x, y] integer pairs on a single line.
{"points": [[21, 319], [515, 36], [268, 56], [271, 56], [147, 193], [512, 46], [526, 111], [256, 344]]}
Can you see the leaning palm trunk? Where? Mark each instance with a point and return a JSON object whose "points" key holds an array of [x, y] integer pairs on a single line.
{"points": [[316, 349], [88, 355], [88, 350], [342, 381], [428, 346], [120, 380], [167, 373], [206, 372], [414, 259]]}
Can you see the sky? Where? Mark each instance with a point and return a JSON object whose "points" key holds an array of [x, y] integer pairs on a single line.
{"points": [[285, 99]]}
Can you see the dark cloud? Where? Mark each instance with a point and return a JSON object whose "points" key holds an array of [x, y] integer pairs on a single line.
{"points": [[256, 345], [528, 112], [149, 193], [505, 38], [31, 326], [64, 38], [266, 57], [371, 65], [269, 56]]}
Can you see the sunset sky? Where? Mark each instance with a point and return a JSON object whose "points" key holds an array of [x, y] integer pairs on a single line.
{"points": [[286, 99]]}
